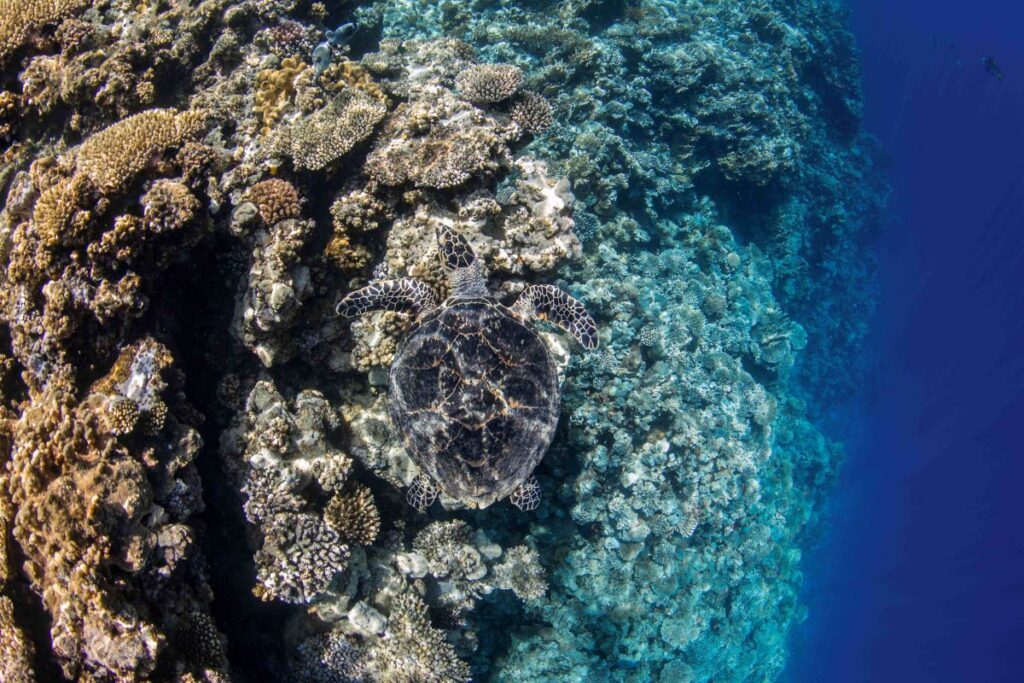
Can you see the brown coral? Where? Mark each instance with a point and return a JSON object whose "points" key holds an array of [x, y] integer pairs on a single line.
{"points": [[169, 206], [114, 157], [275, 90], [276, 199], [95, 550], [532, 113], [489, 83], [354, 515], [349, 74], [15, 650], [19, 18]]}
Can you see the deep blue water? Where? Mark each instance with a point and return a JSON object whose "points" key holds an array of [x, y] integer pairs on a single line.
{"points": [[921, 574]]}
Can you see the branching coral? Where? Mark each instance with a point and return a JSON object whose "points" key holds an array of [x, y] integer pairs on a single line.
{"points": [[412, 650], [15, 650], [113, 157], [19, 18], [353, 514], [280, 452], [299, 558], [276, 199], [329, 658], [489, 83]]}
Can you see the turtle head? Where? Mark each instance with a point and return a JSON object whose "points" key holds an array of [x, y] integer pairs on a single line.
{"points": [[465, 272], [455, 249]]}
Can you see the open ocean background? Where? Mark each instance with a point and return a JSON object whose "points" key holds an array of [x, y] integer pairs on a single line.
{"points": [[921, 574]]}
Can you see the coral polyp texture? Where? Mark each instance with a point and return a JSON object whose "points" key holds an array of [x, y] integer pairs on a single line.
{"points": [[19, 18], [200, 479]]}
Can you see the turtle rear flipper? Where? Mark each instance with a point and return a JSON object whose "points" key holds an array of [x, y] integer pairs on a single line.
{"points": [[406, 294], [422, 493], [527, 496], [548, 302]]}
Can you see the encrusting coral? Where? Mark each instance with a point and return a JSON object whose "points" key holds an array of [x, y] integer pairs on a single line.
{"points": [[104, 522]]}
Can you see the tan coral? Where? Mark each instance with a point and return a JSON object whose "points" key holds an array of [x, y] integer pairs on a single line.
{"points": [[62, 213], [275, 90], [413, 651], [349, 74], [115, 156], [15, 650], [353, 514], [20, 18], [532, 113], [169, 206], [276, 199], [85, 525]]}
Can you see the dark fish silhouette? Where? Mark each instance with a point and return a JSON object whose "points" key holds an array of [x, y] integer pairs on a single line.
{"points": [[992, 67]]}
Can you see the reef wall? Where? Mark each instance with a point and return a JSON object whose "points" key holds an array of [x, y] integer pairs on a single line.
{"points": [[200, 481]]}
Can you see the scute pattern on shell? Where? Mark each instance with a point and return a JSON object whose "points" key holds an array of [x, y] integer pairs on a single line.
{"points": [[475, 396]]}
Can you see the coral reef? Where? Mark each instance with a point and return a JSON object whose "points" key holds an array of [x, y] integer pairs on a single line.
{"points": [[103, 519], [191, 187]]}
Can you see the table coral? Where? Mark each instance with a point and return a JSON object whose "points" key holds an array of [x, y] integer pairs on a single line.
{"points": [[316, 142]]}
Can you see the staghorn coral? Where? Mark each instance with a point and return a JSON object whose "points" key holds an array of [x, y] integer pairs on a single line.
{"points": [[532, 113], [19, 18], [112, 158], [489, 83], [299, 558], [353, 514], [16, 651], [329, 658]]}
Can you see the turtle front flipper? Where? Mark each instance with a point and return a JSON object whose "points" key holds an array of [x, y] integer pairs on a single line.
{"points": [[406, 294], [548, 302], [422, 493], [527, 496]]}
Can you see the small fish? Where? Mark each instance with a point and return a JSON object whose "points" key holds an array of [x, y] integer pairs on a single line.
{"points": [[343, 34], [992, 67], [322, 58]]}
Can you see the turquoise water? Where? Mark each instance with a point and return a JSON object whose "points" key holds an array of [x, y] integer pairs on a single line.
{"points": [[202, 480]]}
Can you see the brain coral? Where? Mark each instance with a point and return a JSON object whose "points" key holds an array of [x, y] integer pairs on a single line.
{"points": [[113, 157]]}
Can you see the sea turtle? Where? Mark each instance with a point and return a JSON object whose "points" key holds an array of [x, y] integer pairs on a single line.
{"points": [[473, 388]]}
